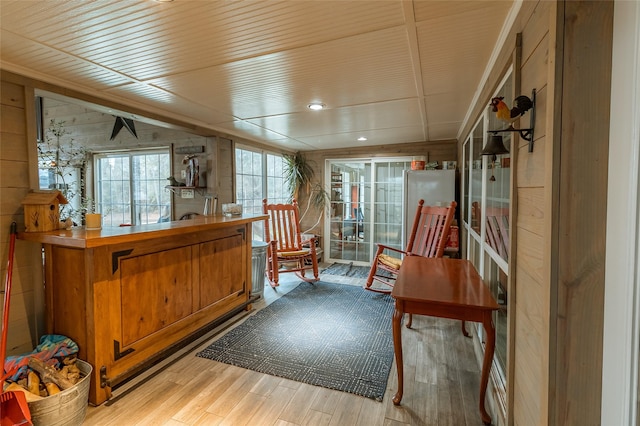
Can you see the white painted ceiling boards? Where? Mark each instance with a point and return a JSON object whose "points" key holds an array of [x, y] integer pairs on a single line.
{"points": [[393, 71]]}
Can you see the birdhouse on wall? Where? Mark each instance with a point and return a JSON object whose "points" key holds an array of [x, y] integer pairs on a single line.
{"points": [[42, 210]]}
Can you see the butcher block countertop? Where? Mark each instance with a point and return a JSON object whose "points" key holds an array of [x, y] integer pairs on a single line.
{"points": [[79, 237]]}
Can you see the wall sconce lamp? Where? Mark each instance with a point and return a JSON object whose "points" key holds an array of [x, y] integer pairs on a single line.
{"points": [[521, 105]]}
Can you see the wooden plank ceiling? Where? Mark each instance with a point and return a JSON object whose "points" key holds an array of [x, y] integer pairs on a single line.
{"points": [[391, 71]]}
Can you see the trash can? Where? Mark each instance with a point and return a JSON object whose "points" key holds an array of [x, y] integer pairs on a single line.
{"points": [[258, 265]]}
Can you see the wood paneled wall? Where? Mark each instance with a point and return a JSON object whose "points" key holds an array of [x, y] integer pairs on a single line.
{"points": [[529, 383], [225, 172], [559, 212], [578, 276], [26, 320]]}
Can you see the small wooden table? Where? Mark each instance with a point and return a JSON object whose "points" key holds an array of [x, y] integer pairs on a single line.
{"points": [[446, 288]]}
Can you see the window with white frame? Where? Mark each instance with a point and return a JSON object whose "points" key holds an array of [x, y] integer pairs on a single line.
{"points": [[277, 188], [259, 175], [129, 186]]}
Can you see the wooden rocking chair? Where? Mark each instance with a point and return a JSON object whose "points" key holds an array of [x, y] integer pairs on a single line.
{"points": [[428, 239], [498, 230], [286, 251]]}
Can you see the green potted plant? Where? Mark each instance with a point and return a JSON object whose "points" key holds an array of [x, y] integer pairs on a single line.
{"points": [[299, 174]]}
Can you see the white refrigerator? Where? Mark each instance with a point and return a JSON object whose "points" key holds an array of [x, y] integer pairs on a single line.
{"points": [[435, 187]]}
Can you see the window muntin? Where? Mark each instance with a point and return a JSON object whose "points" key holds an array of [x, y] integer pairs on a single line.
{"points": [[475, 167], [349, 227], [249, 180], [498, 188], [259, 175], [486, 204], [129, 186], [277, 191]]}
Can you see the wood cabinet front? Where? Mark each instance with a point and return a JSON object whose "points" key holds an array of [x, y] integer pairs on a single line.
{"points": [[156, 291], [127, 301], [219, 262]]}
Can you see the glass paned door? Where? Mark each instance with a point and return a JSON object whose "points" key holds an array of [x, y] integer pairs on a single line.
{"points": [[497, 186], [349, 236], [366, 207], [476, 179], [496, 229], [487, 206], [496, 279], [388, 203]]}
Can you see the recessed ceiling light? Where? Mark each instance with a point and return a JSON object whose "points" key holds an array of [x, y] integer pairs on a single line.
{"points": [[316, 106], [362, 139]]}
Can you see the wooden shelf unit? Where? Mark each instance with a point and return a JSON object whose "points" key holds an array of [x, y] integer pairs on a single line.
{"points": [[202, 190]]}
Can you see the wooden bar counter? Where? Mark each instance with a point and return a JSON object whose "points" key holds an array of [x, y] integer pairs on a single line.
{"points": [[130, 295]]}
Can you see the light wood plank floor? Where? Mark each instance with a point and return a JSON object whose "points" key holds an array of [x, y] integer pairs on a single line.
{"points": [[441, 387]]}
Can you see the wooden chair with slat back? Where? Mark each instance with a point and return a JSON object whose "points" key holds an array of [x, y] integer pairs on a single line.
{"points": [[498, 230], [428, 238], [286, 251]]}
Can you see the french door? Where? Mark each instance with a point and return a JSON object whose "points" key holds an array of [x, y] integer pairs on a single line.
{"points": [[366, 207]]}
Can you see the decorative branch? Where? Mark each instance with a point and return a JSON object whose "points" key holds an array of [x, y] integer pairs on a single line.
{"points": [[60, 153]]}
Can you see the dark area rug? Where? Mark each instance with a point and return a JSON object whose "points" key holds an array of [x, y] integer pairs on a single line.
{"points": [[347, 270], [330, 335]]}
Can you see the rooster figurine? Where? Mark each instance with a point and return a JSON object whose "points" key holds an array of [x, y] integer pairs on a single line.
{"points": [[521, 104]]}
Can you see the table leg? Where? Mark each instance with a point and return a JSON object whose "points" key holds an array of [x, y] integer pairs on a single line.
{"points": [[464, 330], [397, 348], [490, 332]]}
